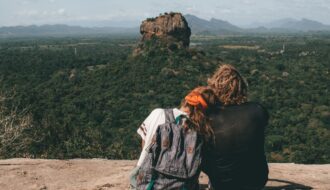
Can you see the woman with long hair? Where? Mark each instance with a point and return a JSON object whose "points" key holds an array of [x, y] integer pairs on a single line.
{"points": [[173, 141], [237, 160]]}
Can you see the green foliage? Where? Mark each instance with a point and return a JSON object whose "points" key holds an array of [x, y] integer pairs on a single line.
{"points": [[87, 96]]}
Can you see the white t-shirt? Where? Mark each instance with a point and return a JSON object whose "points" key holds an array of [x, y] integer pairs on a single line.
{"points": [[149, 128]]}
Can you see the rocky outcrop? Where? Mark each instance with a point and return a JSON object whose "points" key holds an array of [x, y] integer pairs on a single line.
{"points": [[170, 29]]}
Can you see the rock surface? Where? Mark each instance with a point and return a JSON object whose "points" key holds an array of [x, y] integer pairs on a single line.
{"points": [[171, 30], [100, 174], [171, 27]]}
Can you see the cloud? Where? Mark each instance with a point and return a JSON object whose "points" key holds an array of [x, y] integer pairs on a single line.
{"points": [[226, 11], [146, 14], [36, 14], [190, 9], [61, 11], [248, 2]]}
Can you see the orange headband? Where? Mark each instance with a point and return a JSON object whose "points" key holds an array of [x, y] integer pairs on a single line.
{"points": [[194, 98]]}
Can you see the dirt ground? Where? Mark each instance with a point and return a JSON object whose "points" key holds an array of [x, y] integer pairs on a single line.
{"points": [[101, 174]]}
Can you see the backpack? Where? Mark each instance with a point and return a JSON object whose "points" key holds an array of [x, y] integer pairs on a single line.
{"points": [[174, 157]]}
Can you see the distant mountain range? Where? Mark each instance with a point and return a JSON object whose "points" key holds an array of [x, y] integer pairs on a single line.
{"points": [[216, 26], [60, 30], [293, 24], [197, 25], [213, 26]]}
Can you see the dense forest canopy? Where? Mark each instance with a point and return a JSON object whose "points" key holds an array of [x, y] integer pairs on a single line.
{"points": [[85, 97]]}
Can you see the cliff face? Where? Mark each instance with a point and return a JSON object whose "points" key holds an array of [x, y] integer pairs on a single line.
{"points": [[170, 30], [100, 174]]}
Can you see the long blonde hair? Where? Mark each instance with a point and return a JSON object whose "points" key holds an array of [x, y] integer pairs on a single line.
{"points": [[228, 85], [198, 112]]}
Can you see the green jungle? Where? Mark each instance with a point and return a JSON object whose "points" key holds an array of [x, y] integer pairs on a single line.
{"points": [[85, 97]]}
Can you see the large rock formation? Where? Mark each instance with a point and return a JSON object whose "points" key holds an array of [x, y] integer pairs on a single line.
{"points": [[170, 29]]}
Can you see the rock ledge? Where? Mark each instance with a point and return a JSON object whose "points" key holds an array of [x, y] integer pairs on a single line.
{"points": [[101, 174]]}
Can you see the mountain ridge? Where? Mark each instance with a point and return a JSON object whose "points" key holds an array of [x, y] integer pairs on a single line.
{"points": [[59, 30], [303, 24], [212, 26], [198, 26], [288, 25]]}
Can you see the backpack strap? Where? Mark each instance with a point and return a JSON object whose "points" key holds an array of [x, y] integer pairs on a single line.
{"points": [[151, 184], [169, 116], [180, 118]]}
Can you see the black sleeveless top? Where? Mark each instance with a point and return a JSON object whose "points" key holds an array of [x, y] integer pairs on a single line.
{"points": [[237, 159]]}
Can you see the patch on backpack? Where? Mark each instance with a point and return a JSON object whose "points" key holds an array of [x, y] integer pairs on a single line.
{"points": [[154, 139], [139, 177], [166, 143], [190, 150]]}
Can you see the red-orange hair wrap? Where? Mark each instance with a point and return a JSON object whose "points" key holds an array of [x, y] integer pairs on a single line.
{"points": [[194, 98]]}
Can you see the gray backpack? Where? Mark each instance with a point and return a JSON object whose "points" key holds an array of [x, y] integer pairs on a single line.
{"points": [[174, 157]]}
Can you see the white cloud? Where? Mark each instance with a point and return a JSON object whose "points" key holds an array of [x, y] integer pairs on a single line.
{"points": [[248, 2], [61, 11], [36, 14], [28, 13], [146, 14], [190, 9], [226, 11]]}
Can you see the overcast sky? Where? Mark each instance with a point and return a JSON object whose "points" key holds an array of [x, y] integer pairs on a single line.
{"points": [[239, 12]]}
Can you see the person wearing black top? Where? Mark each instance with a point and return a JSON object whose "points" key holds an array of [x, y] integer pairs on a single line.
{"points": [[236, 160]]}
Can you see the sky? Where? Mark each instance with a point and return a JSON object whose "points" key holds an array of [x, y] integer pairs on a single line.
{"points": [[239, 12]]}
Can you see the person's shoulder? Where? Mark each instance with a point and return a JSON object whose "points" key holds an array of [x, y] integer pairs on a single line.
{"points": [[156, 117], [256, 105], [177, 112], [258, 109], [245, 105], [157, 111]]}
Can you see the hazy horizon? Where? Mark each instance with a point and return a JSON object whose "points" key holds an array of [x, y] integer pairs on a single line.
{"points": [[124, 12]]}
